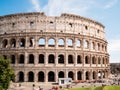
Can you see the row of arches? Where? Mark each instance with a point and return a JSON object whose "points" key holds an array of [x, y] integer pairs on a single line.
{"points": [[51, 76], [51, 42], [61, 59]]}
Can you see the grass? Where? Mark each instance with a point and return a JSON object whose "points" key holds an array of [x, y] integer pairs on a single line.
{"points": [[97, 88]]}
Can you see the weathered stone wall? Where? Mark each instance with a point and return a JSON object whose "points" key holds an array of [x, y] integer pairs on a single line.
{"points": [[44, 48]]}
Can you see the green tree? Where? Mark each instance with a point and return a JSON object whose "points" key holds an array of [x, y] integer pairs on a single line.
{"points": [[6, 73]]}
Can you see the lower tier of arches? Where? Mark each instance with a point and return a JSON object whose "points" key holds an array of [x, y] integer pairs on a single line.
{"points": [[53, 75]]}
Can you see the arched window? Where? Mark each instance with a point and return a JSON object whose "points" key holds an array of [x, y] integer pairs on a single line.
{"points": [[102, 47], [41, 42], [70, 59], [87, 74], [22, 42], [71, 75], [30, 76], [98, 47], [61, 74], [70, 43], [79, 75], [21, 76], [51, 59], [13, 43], [60, 42], [78, 43], [94, 75], [41, 76], [31, 42], [99, 60], [79, 60], [93, 60], [5, 43], [51, 76], [61, 59], [12, 59], [31, 59], [103, 61], [21, 59], [93, 45], [86, 60], [41, 58], [51, 42], [86, 44], [5, 56]]}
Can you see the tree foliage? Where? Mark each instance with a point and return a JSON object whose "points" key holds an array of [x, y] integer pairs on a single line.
{"points": [[6, 73]]}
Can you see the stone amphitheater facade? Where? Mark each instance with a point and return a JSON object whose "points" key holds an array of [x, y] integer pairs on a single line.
{"points": [[44, 48]]}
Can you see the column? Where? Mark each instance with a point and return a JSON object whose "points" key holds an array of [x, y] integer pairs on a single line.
{"points": [[25, 76], [75, 76], [46, 58], [35, 77], [46, 76], [36, 58], [26, 58], [75, 59], [56, 59], [66, 59], [56, 76]]}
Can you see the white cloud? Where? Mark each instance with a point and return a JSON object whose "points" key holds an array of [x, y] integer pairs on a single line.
{"points": [[114, 45], [36, 5], [82, 7], [110, 4], [114, 50]]}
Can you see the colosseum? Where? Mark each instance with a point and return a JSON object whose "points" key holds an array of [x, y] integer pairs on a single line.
{"points": [[44, 48]]}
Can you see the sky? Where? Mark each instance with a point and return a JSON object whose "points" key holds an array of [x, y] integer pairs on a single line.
{"points": [[106, 12]]}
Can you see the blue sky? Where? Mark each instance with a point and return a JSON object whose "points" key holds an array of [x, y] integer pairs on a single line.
{"points": [[105, 11]]}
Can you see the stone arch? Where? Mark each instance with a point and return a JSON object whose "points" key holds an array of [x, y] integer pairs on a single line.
{"points": [[51, 76], [94, 75], [41, 76], [70, 59], [41, 42], [87, 60], [5, 56], [21, 76], [21, 59], [13, 43], [61, 59], [87, 74], [99, 60], [22, 42], [79, 59], [98, 46], [31, 41], [79, 75], [41, 58], [103, 60], [86, 44], [78, 43], [30, 76], [102, 47], [51, 59], [5, 43], [61, 42], [93, 60], [12, 59], [70, 43], [93, 45], [61, 74], [51, 42], [71, 75], [31, 59]]}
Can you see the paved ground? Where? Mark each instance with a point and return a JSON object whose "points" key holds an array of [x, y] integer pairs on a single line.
{"points": [[48, 86]]}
